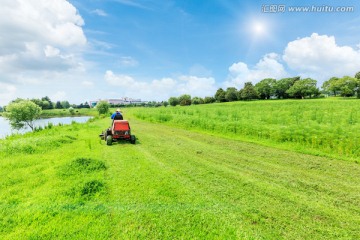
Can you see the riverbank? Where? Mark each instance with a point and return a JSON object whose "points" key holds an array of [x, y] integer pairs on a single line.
{"points": [[48, 113], [66, 113], [42, 123]]}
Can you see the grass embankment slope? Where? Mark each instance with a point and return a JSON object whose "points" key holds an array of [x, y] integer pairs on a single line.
{"points": [[65, 183], [327, 127]]}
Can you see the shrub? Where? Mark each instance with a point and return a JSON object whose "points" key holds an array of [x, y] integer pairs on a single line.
{"points": [[103, 107]]}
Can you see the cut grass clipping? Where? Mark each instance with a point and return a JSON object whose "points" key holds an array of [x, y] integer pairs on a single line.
{"points": [[82, 165], [88, 190]]}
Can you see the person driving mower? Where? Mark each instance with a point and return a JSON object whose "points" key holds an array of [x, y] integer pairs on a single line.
{"points": [[117, 115]]}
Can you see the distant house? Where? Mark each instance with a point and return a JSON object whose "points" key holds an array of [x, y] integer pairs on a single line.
{"points": [[119, 101]]}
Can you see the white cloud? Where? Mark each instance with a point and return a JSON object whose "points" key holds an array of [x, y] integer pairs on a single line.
{"points": [[196, 86], [100, 12], [39, 30], [120, 80], [51, 51], [7, 92], [160, 89], [41, 52], [268, 67], [319, 57]]}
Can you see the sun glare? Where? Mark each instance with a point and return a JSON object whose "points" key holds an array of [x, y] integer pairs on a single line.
{"points": [[258, 28]]}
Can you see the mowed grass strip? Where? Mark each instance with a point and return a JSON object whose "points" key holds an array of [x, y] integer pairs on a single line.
{"points": [[179, 184], [175, 184]]}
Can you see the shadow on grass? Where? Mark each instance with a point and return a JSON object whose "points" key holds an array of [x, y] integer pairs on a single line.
{"points": [[122, 142]]}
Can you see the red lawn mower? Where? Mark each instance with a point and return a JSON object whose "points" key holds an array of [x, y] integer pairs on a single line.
{"points": [[120, 130]]}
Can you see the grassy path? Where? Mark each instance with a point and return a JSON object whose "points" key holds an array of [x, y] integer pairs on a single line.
{"points": [[176, 184]]}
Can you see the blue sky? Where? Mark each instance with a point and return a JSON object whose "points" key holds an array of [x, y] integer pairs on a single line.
{"points": [[81, 50]]}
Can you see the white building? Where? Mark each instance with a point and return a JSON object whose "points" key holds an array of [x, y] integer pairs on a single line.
{"points": [[113, 101]]}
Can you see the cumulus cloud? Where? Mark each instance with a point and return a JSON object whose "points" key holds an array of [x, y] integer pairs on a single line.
{"points": [[40, 35], [160, 89], [196, 86], [51, 51], [268, 67], [319, 57], [120, 80]]}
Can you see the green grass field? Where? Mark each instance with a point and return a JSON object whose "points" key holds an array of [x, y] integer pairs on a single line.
{"points": [[175, 183], [327, 127]]}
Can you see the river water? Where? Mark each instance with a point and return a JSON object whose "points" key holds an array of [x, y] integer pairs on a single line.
{"points": [[5, 128]]}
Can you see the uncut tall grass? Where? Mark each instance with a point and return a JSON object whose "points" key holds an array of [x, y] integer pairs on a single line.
{"points": [[329, 126]]}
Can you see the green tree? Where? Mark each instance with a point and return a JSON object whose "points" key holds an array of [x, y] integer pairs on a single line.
{"points": [[151, 104], [17, 100], [357, 75], [265, 88], [38, 102], [348, 86], [45, 105], [22, 113], [283, 85], [197, 100], [165, 103], [58, 105], [248, 92], [220, 95], [231, 94], [173, 101], [209, 100], [65, 104], [102, 107], [185, 100], [332, 86], [48, 105], [1, 109], [86, 105], [303, 88]]}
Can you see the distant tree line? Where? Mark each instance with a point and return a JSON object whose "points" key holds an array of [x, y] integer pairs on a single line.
{"points": [[267, 88], [285, 88], [46, 103]]}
